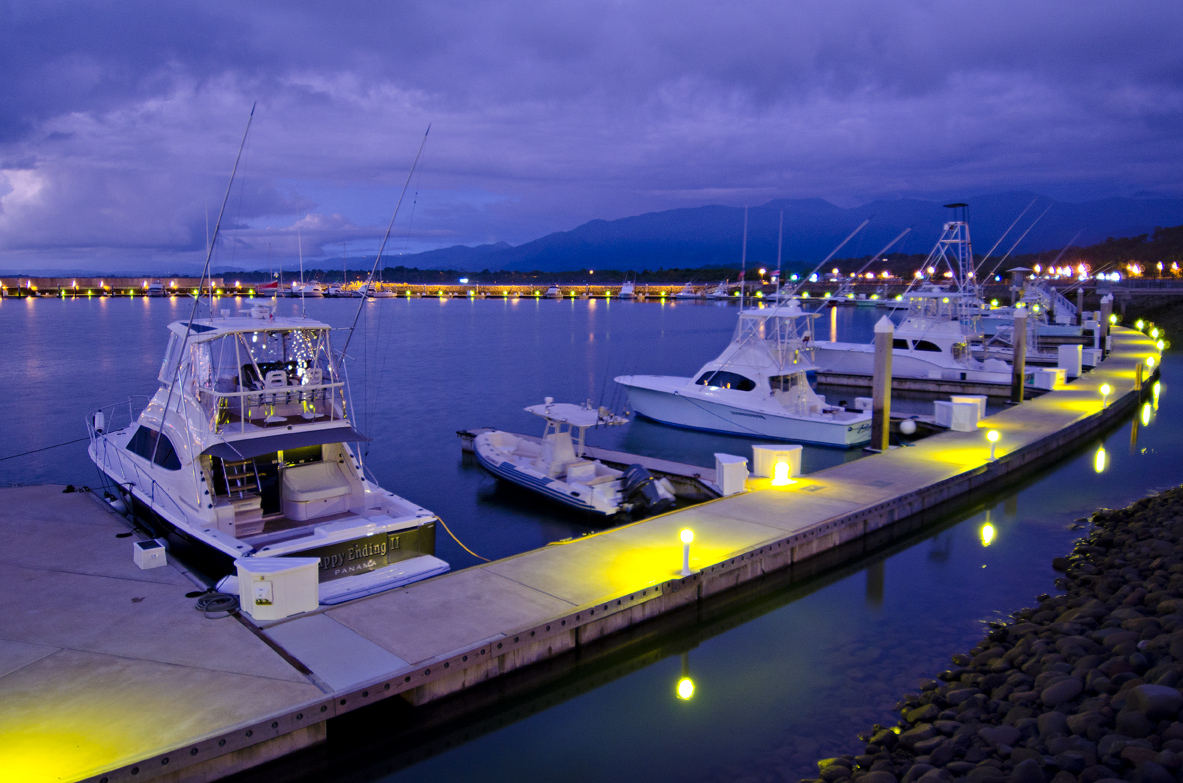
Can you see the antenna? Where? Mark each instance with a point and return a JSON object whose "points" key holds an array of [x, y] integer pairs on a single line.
{"points": [[743, 263], [300, 250], [204, 270], [370, 279], [780, 235]]}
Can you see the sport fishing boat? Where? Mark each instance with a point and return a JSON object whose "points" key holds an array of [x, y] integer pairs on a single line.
{"points": [[554, 292], [244, 450], [628, 289], [933, 340], [687, 292], [554, 465], [757, 387]]}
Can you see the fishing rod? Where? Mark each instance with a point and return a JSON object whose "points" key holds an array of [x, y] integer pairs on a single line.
{"points": [[1004, 233], [378, 258], [1017, 241], [886, 247]]}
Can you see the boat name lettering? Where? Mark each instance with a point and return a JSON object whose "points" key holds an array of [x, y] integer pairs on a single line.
{"points": [[357, 568], [358, 551]]}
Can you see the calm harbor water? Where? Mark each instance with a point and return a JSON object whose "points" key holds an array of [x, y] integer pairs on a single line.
{"points": [[810, 666]]}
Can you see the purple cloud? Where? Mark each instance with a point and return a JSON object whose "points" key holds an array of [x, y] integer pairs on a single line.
{"points": [[118, 124]]}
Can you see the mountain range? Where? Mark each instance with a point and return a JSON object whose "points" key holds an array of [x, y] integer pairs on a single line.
{"points": [[713, 235]]}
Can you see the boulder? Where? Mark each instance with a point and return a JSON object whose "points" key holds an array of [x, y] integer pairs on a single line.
{"points": [[1028, 771], [1156, 702], [1000, 735], [1065, 690]]}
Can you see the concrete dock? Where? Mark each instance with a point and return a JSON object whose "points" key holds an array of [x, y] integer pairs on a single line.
{"points": [[108, 673]]}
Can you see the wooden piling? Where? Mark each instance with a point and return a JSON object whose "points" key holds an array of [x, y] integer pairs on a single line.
{"points": [[1019, 362], [881, 385]]}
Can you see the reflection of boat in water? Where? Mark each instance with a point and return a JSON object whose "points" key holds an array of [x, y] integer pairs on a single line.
{"points": [[757, 386], [244, 450], [554, 465]]}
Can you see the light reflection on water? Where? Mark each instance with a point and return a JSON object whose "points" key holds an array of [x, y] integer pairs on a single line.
{"points": [[811, 665]]}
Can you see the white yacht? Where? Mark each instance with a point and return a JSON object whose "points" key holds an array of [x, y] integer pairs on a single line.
{"points": [[155, 288], [554, 292], [687, 292], [757, 387], [554, 465], [308, 290], [933, 340], [721, 291], [628, 290], [245, 450]]}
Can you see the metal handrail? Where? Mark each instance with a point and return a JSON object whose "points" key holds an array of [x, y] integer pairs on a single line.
{"points": [[330, 394]]}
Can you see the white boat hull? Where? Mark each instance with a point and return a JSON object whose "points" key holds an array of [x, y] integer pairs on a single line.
{"points": [[681, 410], [558, 491], [859, 359]]}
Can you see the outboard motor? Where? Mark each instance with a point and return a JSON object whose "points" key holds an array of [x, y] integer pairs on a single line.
{"points": [[644, 492]]}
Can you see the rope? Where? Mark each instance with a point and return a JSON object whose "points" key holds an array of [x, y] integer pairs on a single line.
{"points": [[45, 448], [462, 546], [213, 603]]}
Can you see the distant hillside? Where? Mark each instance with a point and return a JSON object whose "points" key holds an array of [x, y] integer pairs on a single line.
{"points": [[711, 236]]}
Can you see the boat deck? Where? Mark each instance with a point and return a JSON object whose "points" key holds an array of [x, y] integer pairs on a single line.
{"points": [[106, 670]]}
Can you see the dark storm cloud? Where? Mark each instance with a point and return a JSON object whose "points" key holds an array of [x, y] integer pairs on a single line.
{"points": [[118, 122]]}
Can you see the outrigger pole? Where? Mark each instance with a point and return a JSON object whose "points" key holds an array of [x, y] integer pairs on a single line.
{"points": [[204, 271], [370, 279]]}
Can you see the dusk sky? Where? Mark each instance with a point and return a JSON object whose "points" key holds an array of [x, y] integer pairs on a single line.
{"points": [[119, 121]]}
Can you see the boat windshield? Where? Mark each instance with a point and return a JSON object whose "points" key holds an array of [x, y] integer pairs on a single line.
{"points": [[787, 337], [266, 377]]}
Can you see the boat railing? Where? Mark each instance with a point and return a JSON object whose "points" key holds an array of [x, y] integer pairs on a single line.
{"points": [[116, 416], [278, 405], [134, 476]]}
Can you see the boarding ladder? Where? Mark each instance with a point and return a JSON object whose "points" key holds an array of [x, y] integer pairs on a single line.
{"points": [[242, 478]]}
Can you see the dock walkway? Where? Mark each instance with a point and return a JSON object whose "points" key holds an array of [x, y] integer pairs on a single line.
{"points": [[107, 672]]}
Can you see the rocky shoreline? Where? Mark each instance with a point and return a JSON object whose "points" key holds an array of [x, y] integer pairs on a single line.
{"points": [[1081, 688]]}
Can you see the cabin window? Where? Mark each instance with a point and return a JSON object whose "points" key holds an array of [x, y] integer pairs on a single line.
{"points": [[143, 444], [726, 380], [782, 383], [960, 351], [925, 345], [899, 343]]}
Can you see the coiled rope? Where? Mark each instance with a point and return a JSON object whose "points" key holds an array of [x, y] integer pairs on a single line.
{"points": [[215, 605]]}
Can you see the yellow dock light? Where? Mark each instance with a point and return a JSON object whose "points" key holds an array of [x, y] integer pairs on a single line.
{"points": [[1146, 411], [987, 532], [1149, 362], [687, 536], [780, 474], [1113, 318], [1139, 324], [685, 689], [992, 436], [1154, 333], [1156, 389], [1105, 389], [1099, 460], [1161, 345]]}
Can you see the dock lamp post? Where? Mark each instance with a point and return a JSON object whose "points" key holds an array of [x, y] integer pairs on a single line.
{"points": [[1105, 389], [992, 436], [687, 536]]}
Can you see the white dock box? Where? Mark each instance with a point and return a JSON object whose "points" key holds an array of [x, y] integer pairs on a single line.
{"points": [[1049, 378], [1090, 357], [976, 399], [957, 416], [1070, 359], [272, 588], [863, 403], [731, 473], [149, 554], [764, 457]]}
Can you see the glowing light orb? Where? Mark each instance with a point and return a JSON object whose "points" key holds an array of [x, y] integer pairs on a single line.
{"points": [[780, 474], [987, 533], [992, 436], [685, 689], [687, 535]]}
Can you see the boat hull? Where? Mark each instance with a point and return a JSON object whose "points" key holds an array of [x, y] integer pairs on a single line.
{"points": [[681, 410], [859, 359], [535, 482]]}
